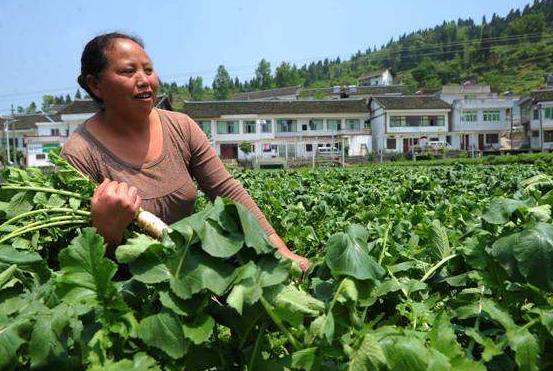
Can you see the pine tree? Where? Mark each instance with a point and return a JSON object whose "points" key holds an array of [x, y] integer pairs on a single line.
{"points": [[221, 83]]}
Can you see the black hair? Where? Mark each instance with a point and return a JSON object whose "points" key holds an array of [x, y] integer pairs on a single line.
{"points": [[94, 59]]}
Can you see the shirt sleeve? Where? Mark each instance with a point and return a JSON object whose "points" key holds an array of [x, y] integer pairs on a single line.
{"points": [[214, 180]]}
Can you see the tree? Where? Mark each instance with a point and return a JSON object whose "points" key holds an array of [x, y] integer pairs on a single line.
{"points": [[263, 75], [67, 99], [221, 83], [47, 101], [196, 88], [286, 75], [32, 108], [78, 94], [20, 109], [246, 147]]}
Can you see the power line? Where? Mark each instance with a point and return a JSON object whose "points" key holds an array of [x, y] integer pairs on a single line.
{"points": [[370, 58]]}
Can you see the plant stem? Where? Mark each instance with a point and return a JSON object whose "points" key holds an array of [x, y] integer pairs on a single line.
{"points": [[244, 337], [43, 226], [279, 323], [437, 266], [40, 222], [384, 241], [45, 211], [256, 346], [45, 190]]}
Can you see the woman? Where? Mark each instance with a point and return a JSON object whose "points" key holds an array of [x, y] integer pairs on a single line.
{"points": [[143, 156]]}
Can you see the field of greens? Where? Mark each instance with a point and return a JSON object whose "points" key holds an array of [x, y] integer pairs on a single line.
{"points": [[422, 268]]}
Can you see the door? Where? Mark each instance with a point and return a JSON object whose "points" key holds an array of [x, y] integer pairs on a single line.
{"points": [[229, 151], [405, 145], [465, 144], [480, 142]]}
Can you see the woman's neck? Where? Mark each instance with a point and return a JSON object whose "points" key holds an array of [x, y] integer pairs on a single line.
{"points": [[125, 124]]}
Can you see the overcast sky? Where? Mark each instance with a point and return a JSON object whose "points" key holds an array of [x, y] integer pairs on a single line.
{"points": [[41, 41]]}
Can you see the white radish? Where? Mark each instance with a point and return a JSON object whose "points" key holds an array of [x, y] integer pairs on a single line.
{"points": [[151, 224]]}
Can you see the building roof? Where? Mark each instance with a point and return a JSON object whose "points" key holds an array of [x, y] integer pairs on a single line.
{"points": [[357, 90], [372, 74], [411, 102], [90, 106], [465, 89], [28, 122], [267, 94], [80, 106], [214, 109], [545, 95]]}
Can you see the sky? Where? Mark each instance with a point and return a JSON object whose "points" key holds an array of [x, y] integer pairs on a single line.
{"points": [[42, 40]]}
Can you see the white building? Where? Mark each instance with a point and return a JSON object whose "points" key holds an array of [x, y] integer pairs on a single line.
{"points": [[538, 119], [377, 78], [400, 122], [481, 120], [278, 128]]}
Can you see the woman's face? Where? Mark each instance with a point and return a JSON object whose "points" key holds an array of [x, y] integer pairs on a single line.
{"points": [[128, 82]]}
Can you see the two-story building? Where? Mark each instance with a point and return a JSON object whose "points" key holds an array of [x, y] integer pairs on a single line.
{"points": [[480, 119], [377, 78], [400, 122], [538, 119], [278, 128]]}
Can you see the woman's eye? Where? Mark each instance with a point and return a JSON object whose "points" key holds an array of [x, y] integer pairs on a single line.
{"points": [[148, 71], [128, 71]]}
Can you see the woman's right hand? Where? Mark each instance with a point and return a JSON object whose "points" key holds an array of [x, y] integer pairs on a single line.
{"points": [[114, 206]]}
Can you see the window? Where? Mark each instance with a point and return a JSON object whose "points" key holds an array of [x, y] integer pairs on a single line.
{"points": [[536, 114], [448, 139], [469, 116], [249, 127], [309, 148], [266, 126], [535, 134], [55, 132], [352, 124], [491, 116], [205, 126], [315, 124], [334, 125], [397, 121], [227, 127], [492, 138], [548, 136], [304, 127], [287, 126], [548, 113], [434, 139], [41, 156], [391, 143]]}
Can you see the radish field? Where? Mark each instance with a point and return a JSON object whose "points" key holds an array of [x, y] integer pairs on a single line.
{"points": [[412, 268]]}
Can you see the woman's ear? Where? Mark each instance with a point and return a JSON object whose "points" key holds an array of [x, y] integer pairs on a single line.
{"points": [[92, 83]]}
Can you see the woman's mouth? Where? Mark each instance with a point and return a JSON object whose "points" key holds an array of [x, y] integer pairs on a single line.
{"points": [[144, 96]]}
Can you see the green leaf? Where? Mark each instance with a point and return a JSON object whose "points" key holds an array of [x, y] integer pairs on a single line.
{"points": [[74, 203], [86, 275], [442, 337], [501, 210], [140, 362], [145, 257], [526, 349], [217, 243], [7, 274], [305, 359], [348, 254], [440, 241], [20, 203], [199, 331], [193, 271], [529, 252], [368, 356], [254, 235], [10, 341], [165, 332], [293, 299], [55, 200], [405, 353], [135, 247]]}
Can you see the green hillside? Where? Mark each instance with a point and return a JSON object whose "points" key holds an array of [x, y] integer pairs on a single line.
{"points": [[511, 53]]}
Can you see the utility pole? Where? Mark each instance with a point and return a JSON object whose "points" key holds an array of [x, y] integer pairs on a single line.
{"points": [[540, 107]]}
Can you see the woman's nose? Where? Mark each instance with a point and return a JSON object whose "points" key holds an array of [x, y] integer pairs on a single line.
{"points": [[142, 78]]}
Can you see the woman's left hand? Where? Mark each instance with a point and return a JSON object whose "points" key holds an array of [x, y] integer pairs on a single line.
{"points": [[285, 252]]}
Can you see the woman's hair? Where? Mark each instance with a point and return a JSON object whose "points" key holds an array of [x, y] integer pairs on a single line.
{"points": [[94, 59]]}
